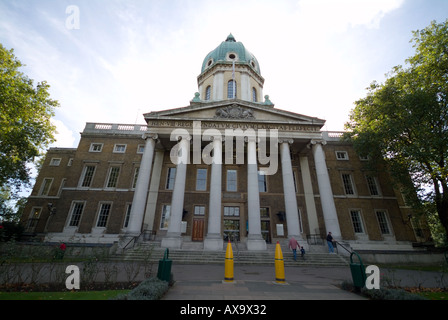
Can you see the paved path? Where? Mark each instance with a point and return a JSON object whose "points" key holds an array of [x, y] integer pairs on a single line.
{"points": [[205, 282]]}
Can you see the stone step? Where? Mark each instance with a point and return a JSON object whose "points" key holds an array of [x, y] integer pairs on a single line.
{"points": [[154, 253]]}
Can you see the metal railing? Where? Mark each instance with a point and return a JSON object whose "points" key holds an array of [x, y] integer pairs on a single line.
{"points": [[147, 235]]}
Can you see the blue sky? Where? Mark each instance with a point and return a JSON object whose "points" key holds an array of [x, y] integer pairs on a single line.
{"points": [[131, 57]]}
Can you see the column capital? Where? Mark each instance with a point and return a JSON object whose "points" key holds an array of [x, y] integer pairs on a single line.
{"points": [[148, 135], [216, 138], [184, 137], [314, 142], [286, 140]]}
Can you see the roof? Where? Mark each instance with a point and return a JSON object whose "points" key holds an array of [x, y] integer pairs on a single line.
{"points": [[229, 51]]}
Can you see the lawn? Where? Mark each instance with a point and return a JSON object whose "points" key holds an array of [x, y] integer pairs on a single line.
{"points": [[66, 295]]}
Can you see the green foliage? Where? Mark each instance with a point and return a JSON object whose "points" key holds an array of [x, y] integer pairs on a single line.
{"points": [[404, 122], [149, 289], [10, 231], [390, 294], [25, 113]]}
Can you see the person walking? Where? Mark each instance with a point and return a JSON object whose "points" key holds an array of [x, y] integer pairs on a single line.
{"points": [[330, 242], [293, 244]]}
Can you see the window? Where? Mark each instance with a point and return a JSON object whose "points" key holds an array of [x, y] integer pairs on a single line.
{"points": [[120, 148], [356, 221], [140, 148], [55, 162], [87, 176], [262, 186], [208, 92], [103, 215], [231, 211], [165, 219], [128, 215], [70, 162], [134, 181], [113, 177], [33, 219], [170, 179], [254, 95], [199, 210], [76, 212], [96, 147], [201, 179], [264, 212], [364, 158], [383, 221], [341, 155], [231, 180], [231, 89], [294, 176], [46, 185], [348, 184], [373, 187]]}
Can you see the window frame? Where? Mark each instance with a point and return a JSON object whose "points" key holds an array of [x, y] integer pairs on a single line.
{"points": [[228, 181], [71, 218], [170, 178], [84, 176], [95, 145], [101, 217], [348, 184], [203, 181], [359, 223]]}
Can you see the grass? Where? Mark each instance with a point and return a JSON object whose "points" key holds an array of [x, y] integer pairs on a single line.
{"points": [[66, 295]]}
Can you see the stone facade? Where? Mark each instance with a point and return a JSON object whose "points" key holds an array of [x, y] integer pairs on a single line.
{"points": [[222, 167]]}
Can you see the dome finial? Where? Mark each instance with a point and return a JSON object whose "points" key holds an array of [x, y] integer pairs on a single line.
{"points": [[230, 38]]}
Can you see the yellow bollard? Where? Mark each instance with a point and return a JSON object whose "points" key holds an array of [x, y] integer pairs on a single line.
{"points": [[279, 265], [228, 266]]}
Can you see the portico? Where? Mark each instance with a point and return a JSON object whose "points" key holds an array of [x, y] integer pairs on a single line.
{"points": [[217, 143]]}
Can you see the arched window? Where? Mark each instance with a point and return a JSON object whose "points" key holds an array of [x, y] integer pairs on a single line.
{"points": [[208, 91], [254, 94], [231, 89]]}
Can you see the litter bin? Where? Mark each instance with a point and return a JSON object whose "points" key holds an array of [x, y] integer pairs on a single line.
{"points": [[164, 271], [358, 272]]}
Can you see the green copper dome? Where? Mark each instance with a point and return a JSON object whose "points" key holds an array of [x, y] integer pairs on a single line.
{"points": [[228, 51]]}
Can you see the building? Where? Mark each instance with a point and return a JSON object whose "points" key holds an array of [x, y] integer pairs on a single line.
{"points": [[229, 165]]}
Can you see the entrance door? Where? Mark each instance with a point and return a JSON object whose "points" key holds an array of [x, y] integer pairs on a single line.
{"points": [[198, 230], [266, 230]]}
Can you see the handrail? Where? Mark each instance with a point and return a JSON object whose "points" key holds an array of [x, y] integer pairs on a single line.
{"points": [[340, 244], [135, 238]]}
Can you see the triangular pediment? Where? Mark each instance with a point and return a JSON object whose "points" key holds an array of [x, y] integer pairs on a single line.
{"points": [[234, 110]]}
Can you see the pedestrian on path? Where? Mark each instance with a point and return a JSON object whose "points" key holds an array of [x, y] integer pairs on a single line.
{"points": [[293, 244], [330, 242]]}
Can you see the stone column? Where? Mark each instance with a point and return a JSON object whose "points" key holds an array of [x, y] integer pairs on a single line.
{"points": [[292, 212], [141, 188], [309, 196], [213, 240], [254, 240], [326, 193], [173, 237]]}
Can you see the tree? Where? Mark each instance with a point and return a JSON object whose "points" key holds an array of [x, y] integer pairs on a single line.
{"points": [[405, 122], [25, 127]]}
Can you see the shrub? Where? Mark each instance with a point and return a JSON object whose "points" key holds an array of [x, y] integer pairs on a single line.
{"points": [[390, 294], [149, 289]]}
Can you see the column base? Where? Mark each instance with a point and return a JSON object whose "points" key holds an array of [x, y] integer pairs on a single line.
{"points": [[213, 243], [256, 244], [171, 242]]}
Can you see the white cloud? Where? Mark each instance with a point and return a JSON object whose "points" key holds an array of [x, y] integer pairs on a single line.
{"points": [[64, 136]]}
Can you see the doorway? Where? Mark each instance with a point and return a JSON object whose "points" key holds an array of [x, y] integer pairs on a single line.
{"points": [[198, 230]]}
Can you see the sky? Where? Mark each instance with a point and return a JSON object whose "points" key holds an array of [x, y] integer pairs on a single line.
{"points": [[111, 61]]}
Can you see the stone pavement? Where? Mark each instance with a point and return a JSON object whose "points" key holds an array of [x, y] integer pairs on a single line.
{"points": [[205, 282]]}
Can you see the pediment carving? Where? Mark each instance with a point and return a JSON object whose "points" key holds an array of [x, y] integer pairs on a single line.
{"points": [[234, 112]]}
